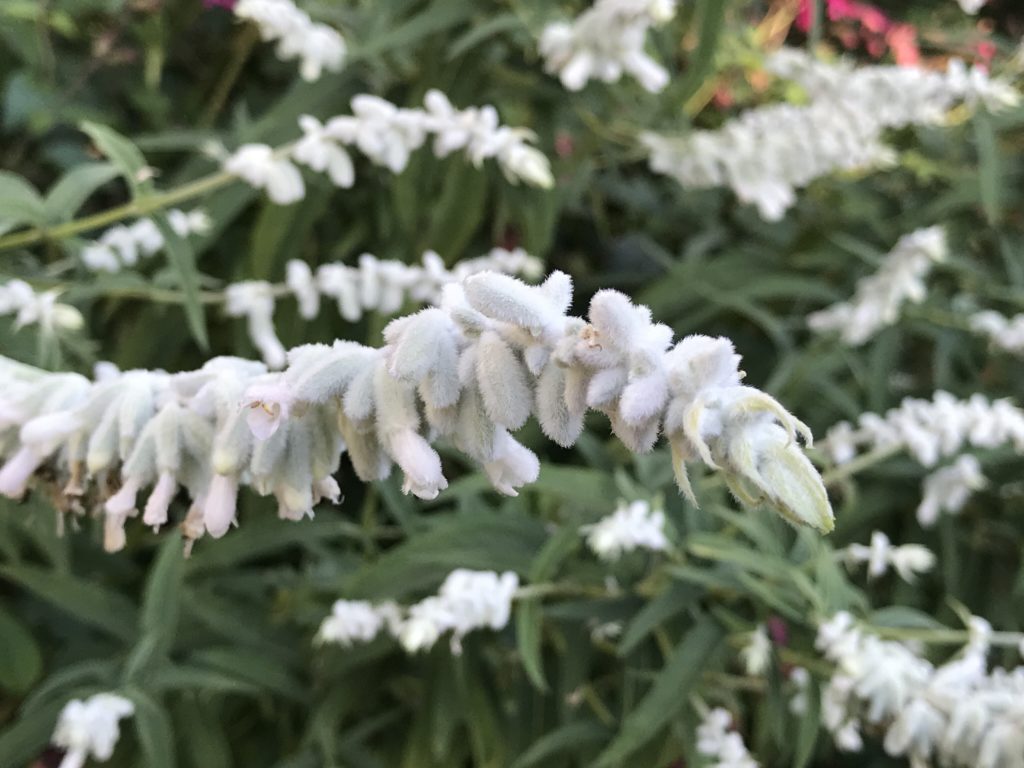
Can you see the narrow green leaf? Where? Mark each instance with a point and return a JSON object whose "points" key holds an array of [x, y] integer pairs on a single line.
{"points": [[125, 156], [26, 738], [75, 187], [667, 696], [20, 203], [90, 603], [21, 663], [674, 600], [568, 738], [183, 262], [529, 631], [807, 732], [161, 600], [989, 167], [153, 724]]}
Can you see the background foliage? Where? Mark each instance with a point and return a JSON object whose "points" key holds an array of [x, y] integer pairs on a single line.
{"points": [[218, 648]]}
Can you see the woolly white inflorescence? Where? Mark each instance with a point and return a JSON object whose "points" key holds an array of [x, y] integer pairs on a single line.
{"points": [[123, 245], [724, 748], [630, 527], [467, 601], [494, 353], [388, 135], [18, 298], [370, 285], [1005, 333], [880, 297], [316, 46], [948, 489], [90, 727], [957, 714], [768, 153], [605, 42]]}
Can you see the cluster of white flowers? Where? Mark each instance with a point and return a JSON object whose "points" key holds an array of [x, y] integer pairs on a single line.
{"points": [[931, 429], [123, 245], [757, 653], [494, 353], [768, 153], [316, 46], [1005, 333], [467, 600], [629, 527], [957, 714], [724, 748], [907, 560], [372, 285], [949, 488], [90, 727], [18, 298], [880, 296], [605, 42], [387, 135]]}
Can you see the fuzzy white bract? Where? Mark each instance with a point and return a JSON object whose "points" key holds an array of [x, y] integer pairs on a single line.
{"points": [[494, 353], [766, 154], [30, 307], [630, 527], [90, 728], [908, 560], [931, 429], [723, 747], [605, 42], [358, 621], [948, 489], [757, 653], [880, 297], [957, 714], [261, 167], [125, 244], [318, 47]]}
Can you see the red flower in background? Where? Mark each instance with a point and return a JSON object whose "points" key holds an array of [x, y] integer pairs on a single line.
{"points": [[866, 25]]}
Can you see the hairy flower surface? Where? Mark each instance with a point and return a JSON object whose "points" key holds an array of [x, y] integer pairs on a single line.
{"points": [[630, 527], [723, 748], [318, 47], [30, 307], [907, 560], [471, 370]]}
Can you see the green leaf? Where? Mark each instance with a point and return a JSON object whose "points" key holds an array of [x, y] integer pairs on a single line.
{"points": [[20, 203], [182, 260], [125, 156], [75, 187], [568, 738], [27, 737], [153, 724], [674, 600], [161, 599], [90, 603], [990, 167], [21, 663], [667, 696], [201, 734], [255, 668], [807, 733], [529, 631], [582, 486]]}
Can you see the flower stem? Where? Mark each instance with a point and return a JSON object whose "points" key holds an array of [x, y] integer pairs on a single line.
{"points": [[861, 463], [141, 206]]}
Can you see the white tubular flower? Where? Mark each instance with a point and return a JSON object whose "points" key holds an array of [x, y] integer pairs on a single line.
{"points": [[757, 653], [322, 154], [880, 297], [932, 429], [357, 621], [254, 300], [1004, 333], [907, 560], [632, 526], [257, 165], [90, 728], [768, 153], [722, 747], [957, 714], [300, 281], [18, 298], [122, 246], [496, 352], [971, 6], [605, 42], [317, 46], [948, 489], [468, 600]]}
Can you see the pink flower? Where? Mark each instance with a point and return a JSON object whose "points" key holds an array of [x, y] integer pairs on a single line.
{"points": [[902, 40]]}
